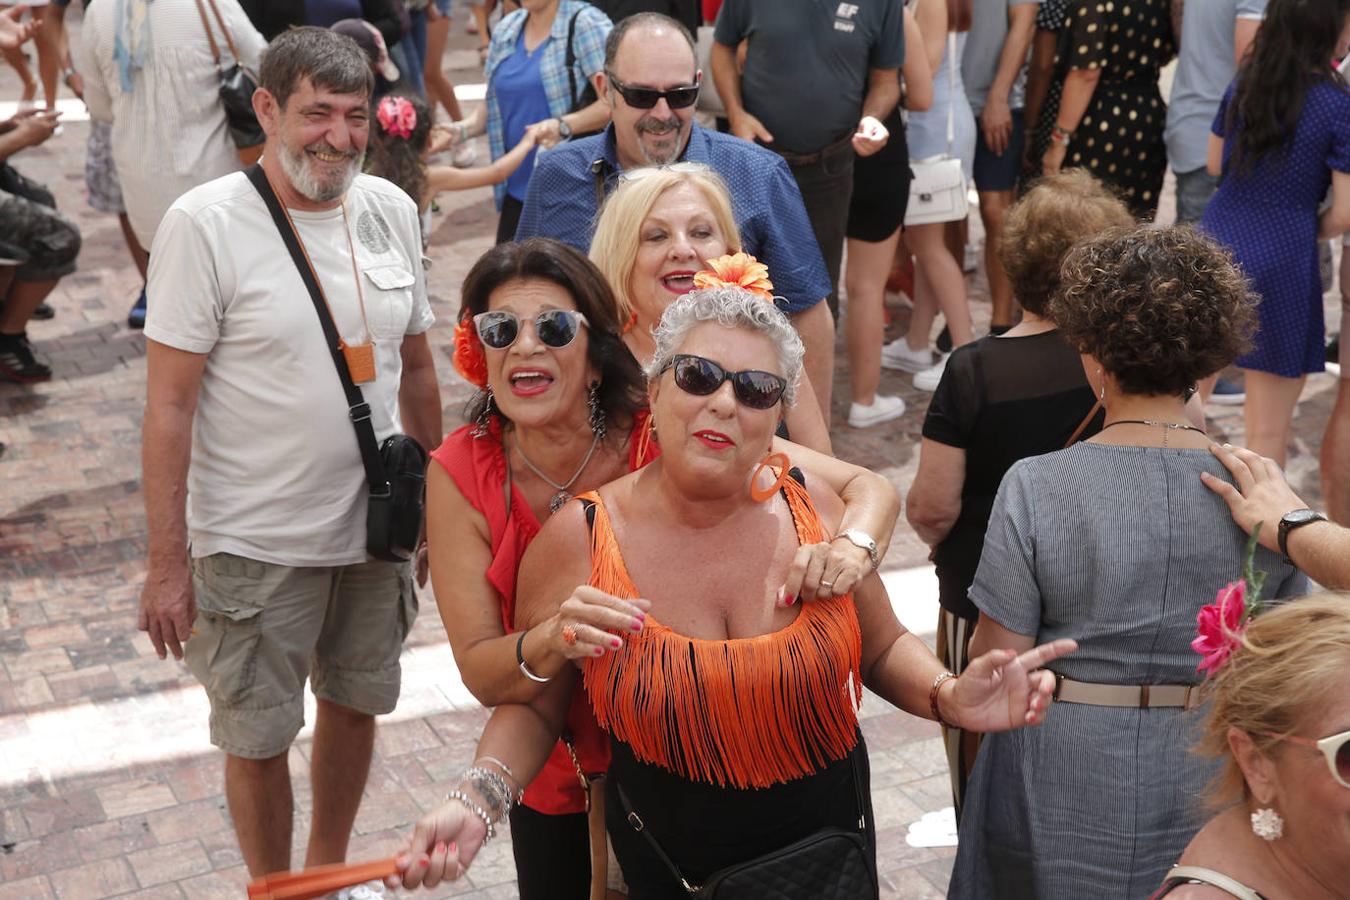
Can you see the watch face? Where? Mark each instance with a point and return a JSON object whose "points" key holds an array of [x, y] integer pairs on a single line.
{"points": [[1300, 516]]}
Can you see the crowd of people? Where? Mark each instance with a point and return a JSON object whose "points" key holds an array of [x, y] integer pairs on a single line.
{"points": [[648, 561]]}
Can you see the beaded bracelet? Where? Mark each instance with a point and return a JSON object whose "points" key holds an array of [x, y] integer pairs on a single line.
{"points": [[933, 698], [488, 782], [472, 806], [507, 791]]}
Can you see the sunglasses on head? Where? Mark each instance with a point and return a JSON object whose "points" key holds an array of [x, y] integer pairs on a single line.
{"points": [[1336, 749], [645, 98], [684, 167], [700, 377], [555, 328]]}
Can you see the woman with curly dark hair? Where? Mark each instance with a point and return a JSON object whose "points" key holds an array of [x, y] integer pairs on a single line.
{"points": [[1281, 137], [1117, 543]]}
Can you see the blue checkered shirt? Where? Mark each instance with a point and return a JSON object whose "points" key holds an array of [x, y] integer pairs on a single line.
{"points": [[588, 41], [561, 204]]}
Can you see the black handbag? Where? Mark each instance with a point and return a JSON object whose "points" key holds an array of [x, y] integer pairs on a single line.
{"points": [[395, 469], [830, 864], [237, 85]]}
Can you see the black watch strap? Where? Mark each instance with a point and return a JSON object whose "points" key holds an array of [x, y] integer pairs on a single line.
{"points": [[1295, 518]]}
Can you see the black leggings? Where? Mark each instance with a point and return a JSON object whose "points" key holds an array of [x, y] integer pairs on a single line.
{"points": [[553, 855], [509, 219]]}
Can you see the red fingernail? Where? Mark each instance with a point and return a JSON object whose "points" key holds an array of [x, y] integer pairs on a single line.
{"points": [[440, 846], [637, 625], [616, 643], [424, 862], [454, 847], [599, 650]]}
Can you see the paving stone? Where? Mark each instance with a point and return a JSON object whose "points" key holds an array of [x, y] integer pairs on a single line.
{"points": [[133, 797], [188, 820], [94, 880], [116, 838], [174, 862], [35, 888], [63, 813]]}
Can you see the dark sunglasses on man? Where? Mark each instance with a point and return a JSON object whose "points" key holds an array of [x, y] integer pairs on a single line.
{"points": [[701, 377], [645, 97]]}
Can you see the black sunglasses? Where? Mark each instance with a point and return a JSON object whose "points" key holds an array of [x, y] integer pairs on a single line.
{"points": [[646, 98], [555, 328], [700, 377]]}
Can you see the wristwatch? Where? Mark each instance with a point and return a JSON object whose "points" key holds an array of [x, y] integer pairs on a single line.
{"points": [[859, 538], [564, 130], [1295, 518]]}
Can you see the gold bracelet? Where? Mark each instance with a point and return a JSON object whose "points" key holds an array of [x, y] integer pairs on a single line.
{"points": [[933, 698]]}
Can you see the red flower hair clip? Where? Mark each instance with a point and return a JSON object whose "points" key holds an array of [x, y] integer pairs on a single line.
{"points": [[738, 270], [469, 359], [1219, 626], [397, 116]]}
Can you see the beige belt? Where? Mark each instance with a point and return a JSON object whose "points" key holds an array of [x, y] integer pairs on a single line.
{"points": [[1141, 696]]}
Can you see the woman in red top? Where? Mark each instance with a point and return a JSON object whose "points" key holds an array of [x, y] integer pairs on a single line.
{"points": [[561, 412]]}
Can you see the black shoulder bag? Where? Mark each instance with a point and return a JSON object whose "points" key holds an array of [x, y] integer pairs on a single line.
{"points": [[395, 469], [830, 864], [588, 95], [236, 87]]}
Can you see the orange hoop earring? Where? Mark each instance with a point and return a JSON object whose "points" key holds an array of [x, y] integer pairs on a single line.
{"points": [[778, 460]]}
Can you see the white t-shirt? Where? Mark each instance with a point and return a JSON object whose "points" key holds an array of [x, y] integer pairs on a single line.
{"points": [[276, 474]]}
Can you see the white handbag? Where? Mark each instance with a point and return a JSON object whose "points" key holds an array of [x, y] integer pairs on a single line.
{"points": [[938, 191]]}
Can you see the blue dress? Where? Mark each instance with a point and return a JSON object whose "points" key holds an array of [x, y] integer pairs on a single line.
{"points": [[1267, 217]]}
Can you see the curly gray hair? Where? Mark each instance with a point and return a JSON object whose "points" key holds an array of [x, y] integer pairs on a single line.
{"points": [[733, 308]]}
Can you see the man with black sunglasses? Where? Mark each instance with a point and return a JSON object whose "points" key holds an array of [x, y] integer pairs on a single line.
{"points": [[818, 80], [651, 82]]}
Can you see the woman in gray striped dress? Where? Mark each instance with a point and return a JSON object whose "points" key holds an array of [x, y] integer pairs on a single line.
{"points": [[1116, 543]]}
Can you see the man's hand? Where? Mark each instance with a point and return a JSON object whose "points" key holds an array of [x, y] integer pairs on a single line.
{"points": [[12, 31], [748, 128], [996, 121], [167, 608], [870, 137], [1261, 496]]}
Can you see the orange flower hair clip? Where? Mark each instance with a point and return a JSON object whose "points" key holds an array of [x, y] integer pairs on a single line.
{"points": [[469, 359], [738, 270]]}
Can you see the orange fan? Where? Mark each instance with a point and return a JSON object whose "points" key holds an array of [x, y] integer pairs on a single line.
{"points": [[319, 880]]}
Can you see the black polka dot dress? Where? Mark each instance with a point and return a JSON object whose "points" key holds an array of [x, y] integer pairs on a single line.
{"points": [[1120, 137]]}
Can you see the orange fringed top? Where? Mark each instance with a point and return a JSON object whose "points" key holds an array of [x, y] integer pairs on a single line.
{"points": [[745, 712]]}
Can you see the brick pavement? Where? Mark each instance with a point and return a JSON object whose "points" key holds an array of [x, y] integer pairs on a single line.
{"points": [[108, 785]]}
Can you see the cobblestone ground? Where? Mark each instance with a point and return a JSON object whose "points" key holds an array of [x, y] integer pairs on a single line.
{"points": [[108, 785]]}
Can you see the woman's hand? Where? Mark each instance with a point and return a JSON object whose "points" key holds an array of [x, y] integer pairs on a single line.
{"points": [[1002, 689], [588, 622], [870, 136], [443, 846], [442, 138], [1054, 158], [545, 132], [825, 570]]}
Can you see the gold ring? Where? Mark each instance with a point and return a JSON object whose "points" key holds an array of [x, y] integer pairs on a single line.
{"points": [[569, 635]]}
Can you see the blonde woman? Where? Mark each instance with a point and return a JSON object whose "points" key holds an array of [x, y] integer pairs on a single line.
{"points": [[659, 227], [1279, 722]]}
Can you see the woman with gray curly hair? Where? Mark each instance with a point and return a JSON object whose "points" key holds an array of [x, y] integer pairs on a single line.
{"points": [[732, 709], [1116, 542]]}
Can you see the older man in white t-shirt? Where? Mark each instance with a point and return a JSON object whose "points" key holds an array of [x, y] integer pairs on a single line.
{"points": [[254, 487]]}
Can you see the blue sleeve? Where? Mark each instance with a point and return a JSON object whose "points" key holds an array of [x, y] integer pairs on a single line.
{"points": [[592, 31], [1251, 9], [889, 50], [1338, 154], [1005, 587], [533, 214], [779, 234], [732, 23]]}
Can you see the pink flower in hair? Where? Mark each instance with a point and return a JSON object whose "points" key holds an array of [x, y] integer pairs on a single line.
{"points": [[397, 116], [1218, 626]]}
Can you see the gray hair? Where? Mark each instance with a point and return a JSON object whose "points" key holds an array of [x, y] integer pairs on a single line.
{"points": [[733, 308], [329, 60]]}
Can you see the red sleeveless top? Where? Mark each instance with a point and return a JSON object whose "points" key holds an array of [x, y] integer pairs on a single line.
{"points": [[478, 467]]}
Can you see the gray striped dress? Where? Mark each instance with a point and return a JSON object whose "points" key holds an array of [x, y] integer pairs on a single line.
{"points": [[1118, 548]]}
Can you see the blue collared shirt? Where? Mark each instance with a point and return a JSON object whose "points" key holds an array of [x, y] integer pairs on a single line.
{"points": [[767, 205], [588, 41]]}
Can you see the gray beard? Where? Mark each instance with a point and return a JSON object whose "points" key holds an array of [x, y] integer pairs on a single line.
{"points": [[298, 171]]}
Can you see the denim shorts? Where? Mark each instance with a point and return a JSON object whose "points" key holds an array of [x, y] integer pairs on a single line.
{"points": [[443, 6], [994, 172]]}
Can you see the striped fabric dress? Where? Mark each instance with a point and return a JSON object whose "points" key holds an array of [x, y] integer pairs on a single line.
{"points": [[1118, 548]]}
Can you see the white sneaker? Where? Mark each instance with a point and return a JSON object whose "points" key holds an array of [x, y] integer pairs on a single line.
{"points": [[928, 379], [882, 409], [897, 355], [370, 890], [464, 156]]}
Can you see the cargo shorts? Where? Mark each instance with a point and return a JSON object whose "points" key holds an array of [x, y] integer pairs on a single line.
{"points": [[262, 628]]}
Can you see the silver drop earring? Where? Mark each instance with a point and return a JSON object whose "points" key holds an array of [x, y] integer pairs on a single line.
{"points": [[596, 417]]}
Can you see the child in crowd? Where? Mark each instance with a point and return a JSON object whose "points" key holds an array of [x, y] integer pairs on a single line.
{"points": [[404, 137]]}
